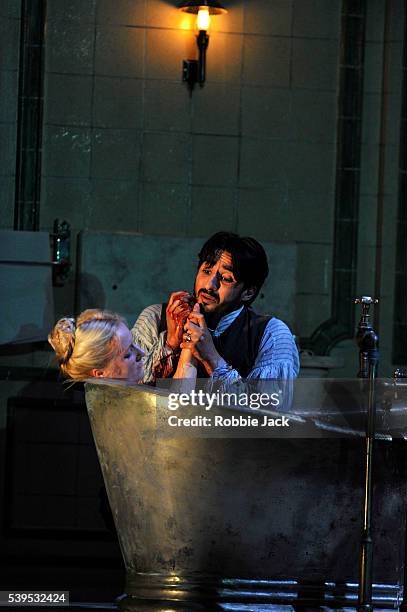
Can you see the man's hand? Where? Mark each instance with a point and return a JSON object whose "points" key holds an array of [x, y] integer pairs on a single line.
{"points": [[198, 339], [178, 309]]}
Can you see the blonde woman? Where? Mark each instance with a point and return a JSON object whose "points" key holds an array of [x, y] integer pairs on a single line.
{"points": [[99, 344]]}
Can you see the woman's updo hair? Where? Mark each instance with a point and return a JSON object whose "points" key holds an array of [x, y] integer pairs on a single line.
{"points": [[87, 343]]}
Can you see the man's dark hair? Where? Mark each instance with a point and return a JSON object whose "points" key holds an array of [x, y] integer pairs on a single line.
{"points": [[249, 259]]}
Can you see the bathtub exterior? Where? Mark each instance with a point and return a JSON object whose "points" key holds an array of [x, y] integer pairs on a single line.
{"points": [[199, 510]]}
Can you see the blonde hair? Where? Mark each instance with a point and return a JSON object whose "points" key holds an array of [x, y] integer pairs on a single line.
{"points": [[86, 343]]}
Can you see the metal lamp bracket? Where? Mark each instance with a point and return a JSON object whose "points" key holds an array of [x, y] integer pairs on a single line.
{"points": [[190, 72]]}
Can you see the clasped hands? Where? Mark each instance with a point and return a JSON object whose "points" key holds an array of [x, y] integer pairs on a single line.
{"points": [[187, 329]]}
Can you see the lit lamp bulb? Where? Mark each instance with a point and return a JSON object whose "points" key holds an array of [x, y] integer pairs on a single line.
{"points": [[193, 71], [203, 19]]}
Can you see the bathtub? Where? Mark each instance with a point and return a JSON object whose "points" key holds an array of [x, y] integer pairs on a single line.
{"points": [[203, 520]]}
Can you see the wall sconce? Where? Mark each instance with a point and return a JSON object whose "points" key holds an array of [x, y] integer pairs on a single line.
{"points": [[193, 71]]}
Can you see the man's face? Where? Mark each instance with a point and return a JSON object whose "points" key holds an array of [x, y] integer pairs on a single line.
{"points": [[216, 288]]}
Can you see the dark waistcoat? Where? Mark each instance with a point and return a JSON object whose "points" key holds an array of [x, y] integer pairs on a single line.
{"points": [[238, 344]]}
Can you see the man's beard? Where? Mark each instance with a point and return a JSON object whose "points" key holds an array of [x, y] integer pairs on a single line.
{"points": [[214, 299], [209, 314]]}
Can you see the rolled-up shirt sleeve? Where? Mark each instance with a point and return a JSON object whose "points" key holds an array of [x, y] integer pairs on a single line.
{"points": [[277, 359], [158, 360]]}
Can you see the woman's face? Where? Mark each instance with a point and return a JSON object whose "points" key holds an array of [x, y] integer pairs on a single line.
{"points": [[128, 363]]}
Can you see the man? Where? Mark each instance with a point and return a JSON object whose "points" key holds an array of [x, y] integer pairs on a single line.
{"points": [[228, 339]]}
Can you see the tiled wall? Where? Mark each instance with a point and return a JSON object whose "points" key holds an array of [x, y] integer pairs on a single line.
{"points": [[379, 174], [127, 147], [53, 479], [400, 312], [9, 54]]}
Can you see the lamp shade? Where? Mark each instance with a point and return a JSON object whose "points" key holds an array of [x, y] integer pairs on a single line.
{"points": [[192, 6]]}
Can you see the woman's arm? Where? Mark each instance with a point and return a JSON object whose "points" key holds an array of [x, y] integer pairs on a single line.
{"points": [[187, 366]]}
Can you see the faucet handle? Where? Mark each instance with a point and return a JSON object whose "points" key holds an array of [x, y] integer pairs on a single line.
{"points": [[399, 373], [366, 301]]}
